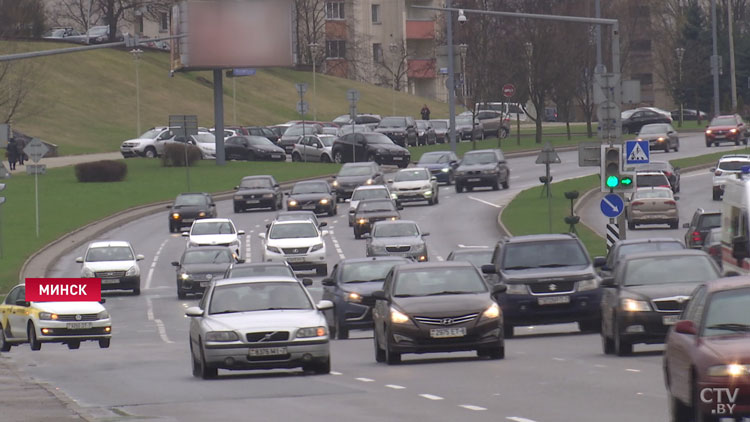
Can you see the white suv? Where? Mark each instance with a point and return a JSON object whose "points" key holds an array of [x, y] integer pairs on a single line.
{"points": [[150, 144], [299, 242], [727, 168], [214, 232], [115, 263]]}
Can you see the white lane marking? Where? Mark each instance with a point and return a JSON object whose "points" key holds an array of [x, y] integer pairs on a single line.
{"points": [[364, 379], [485, 202], [472, 407], [598, 365], [695, 174], [257, 226], [514, 177], [335, 373], [395, 387], [248, 244], [430, 397], [150, 275], [633, 370], [336, 244], [159, 324], [519, 419], [559, 359]]}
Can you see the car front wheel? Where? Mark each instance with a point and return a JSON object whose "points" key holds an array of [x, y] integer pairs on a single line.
{"points": [[391, 357], [379, 352], [4, 345], [104, 343], [206, 371], [338, 157], [33, 340]]}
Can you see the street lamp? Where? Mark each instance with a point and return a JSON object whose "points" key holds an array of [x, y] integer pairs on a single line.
{"points": [[393, 47], [137, 52], [314, 50], [462, 49], [680, 54]]}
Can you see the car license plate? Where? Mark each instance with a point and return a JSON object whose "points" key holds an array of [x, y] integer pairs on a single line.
{"points": [[295, 259], [267, 351], [78, 325], [252, 201], [110, 280], [554, 300], [398, 158], [275, 155], [308, 207], [187, 220], [474, 179], [447, 332], [205, 283], [670, 319]]}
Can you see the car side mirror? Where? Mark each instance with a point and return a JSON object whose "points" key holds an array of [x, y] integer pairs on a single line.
{"points": [[686, 226], [379, 295], [194, 311], [676, 198], [399, 207], [328, 282], [79, 260], [600, 261], [286, 193], [240, 232], [389, 181], [103, 301], [236, 188], [433, 179], [22, 302], [322, 224], [307, 282], [366, 236], [686, 327], [712, 169], [489, 269], [276, 185], [453, 163], [139, 257], [175, 264], [608, 282], [325, 304], [169, 207], [185, 234], [262, 235], [499, 288], [739, 248], [425, 234]]}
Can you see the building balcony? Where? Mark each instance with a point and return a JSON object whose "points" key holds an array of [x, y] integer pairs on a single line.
{"points": [[420, 30], [421, 68]]}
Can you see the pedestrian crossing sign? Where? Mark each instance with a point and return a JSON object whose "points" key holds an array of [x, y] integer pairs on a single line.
{"points": [[637, 152]]}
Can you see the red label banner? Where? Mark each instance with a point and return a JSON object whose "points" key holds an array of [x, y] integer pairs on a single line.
{"points": [[63, 289]]}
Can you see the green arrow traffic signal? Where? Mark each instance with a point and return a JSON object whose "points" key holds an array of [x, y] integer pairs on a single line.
{"points": [[626, 181]]}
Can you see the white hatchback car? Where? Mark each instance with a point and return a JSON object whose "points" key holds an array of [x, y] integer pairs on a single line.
{"points": [[415, 184], [214, 232], [115, 263], [727, 168], [298, 242]]}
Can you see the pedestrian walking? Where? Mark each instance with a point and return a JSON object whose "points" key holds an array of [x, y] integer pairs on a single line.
{"points": [[12, 153], [20, 154], [425, 112]]}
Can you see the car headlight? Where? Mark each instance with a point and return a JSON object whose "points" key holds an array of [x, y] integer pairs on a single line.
{"points": [[394, 218], [202, 214], [268, 195], [394, 196], [588, 284], [517, 289], [102, 315], [368, 182], [132, 271], [460, 173], [445, 170], [175, 216], [733, 130], [47, 316], [398, 317], [317, 247], [353, 297], [292, 203], [87, 273], [335, 183], [493, 171], [222, 336], [633, 305], [273, 249], [311, 332], [660, 139], [708, 131], [184, 276], [324, 201], [377, 248], [237, 197], [731, 370], [492, 312], [362, 221]]}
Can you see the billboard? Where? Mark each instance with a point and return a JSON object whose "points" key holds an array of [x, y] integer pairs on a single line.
{"points": [[232, 34]]}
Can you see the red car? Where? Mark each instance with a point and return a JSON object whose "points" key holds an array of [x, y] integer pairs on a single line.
{"points": [[728, 128], [707, 355]]}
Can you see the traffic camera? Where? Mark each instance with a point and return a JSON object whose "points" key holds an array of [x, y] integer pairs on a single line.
{"points": [[614, 179]]}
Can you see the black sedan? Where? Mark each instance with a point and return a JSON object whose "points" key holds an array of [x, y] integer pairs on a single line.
{"points": [[672, 173], [350, 289], [257, 192], [369, 146], [263, 269], [371, 210], [485, 167], [425, 133], [476, 255], [634, 120], [198, 266], [252, 148], [188, 207], [437, 307], [401, 129], [313, 195]]}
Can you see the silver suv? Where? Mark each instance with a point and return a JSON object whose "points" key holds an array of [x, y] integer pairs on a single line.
{"points": [[727, 168], [150, 144]]}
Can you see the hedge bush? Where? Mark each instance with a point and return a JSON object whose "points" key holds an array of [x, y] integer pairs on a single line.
{"points": [[174, 155], [101, 171]]}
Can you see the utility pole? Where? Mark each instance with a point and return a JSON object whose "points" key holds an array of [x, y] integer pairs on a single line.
{"points": [[715, 59], [450, 83], [732, 75]]}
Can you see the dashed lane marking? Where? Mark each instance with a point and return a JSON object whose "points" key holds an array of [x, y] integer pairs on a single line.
{"points": [[633, 370], [472, 407], [430, 397], [559, 359], [519, 419], [485, 202], [395, 387], [335, 373], [364, 379], [159, 324], [150, 275], [336, 244]]}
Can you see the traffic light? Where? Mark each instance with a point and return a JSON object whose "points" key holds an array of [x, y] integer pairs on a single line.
{"points": [[613, 178]]}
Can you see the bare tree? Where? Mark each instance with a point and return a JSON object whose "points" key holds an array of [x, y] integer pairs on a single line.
{"points": [[22, 19], [310, 21], [76, 12], [113, 12], [394, 68]]}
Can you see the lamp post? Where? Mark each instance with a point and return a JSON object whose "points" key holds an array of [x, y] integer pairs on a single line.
{"points": [[393, 47], [529, 51], [137, 52], [314, 50], [680, 54], [462, 49]]}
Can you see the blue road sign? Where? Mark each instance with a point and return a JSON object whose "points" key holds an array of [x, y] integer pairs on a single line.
{"points": [[637, 152], [247, 71], [612, 205]]}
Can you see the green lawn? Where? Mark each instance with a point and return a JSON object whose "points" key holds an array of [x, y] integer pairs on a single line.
{"points": [[65, 204], [705, 159]]}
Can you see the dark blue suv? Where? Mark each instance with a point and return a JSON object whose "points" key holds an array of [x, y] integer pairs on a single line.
{"points": [[550, 279], [350, 289]]}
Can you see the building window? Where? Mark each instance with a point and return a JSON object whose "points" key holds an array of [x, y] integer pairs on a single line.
{"points": [[641, 46], [375, 13], [335, 49], [139, 24], [377, 53], [335, 10], [163, 22], [645, 78]]}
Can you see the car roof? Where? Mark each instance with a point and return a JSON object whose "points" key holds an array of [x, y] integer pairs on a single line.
{"points": [[261, 176], [193, 193], [208, 248], [257, 264], [539, 238], [470, 250], [372, 258], [422, 169], [300, 221], [439, 264], [703, 211], [311, 182], [735, 157], [298, 213], [727, 283], [651, 188], [477, 151], [436, 153], [370, 187], [664, 254], [383, 222], [649, 173], [109, 243], [648, 240], [361, 164], [256, 279], [212, 220]]}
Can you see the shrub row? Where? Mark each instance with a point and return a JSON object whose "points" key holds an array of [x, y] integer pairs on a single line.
{"points": [[174, 155], [101, 171]]}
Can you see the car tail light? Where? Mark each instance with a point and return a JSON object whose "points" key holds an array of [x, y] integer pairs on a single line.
{"points": [[670, 202], [665, 186], [696, 236], [636, 203]]}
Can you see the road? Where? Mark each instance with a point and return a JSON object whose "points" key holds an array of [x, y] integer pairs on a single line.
{"points": [[550, 374]]}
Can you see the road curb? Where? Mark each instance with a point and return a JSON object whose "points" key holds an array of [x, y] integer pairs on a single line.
{"points": [[500, 225]]}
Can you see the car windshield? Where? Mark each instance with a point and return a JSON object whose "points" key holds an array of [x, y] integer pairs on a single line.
{"points": [[98, 31], [393, 122], [439, 124], [205, 138], [710, 221], [727, 313], [656, 166], [203, 256], [463, 120], [297, 215], [396, 230], [479, 158], [378, 139], [151, 133], [412, 175], [648, 247], [733, 165], [477, 258], [344, 118], [310, 188], [293, 230], [360, 272], [436, 281], [627, 113], [259, 141], [362, 194], [560, 253], [259, 183], [723, 121], [647, 180], [421, 125], [188, 200], [649, 129], [669, 269], [353, 129], [263, 296], [433, 158], [109, 253], [261, 270], [355, 171], [298, 129], [652, 193], [212, 227], [327, 140], [375, 206]]}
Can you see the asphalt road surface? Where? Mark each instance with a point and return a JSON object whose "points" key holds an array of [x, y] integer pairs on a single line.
{"points": [[551, 373]]}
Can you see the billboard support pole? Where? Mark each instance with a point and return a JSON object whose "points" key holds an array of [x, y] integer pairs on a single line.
{"points": [[219, 117]]}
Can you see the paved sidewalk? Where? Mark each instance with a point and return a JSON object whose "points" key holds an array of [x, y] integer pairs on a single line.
{"points": [[67, 160]]}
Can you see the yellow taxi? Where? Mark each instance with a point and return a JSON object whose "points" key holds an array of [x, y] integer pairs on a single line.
{"points": [[51, 322]]}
